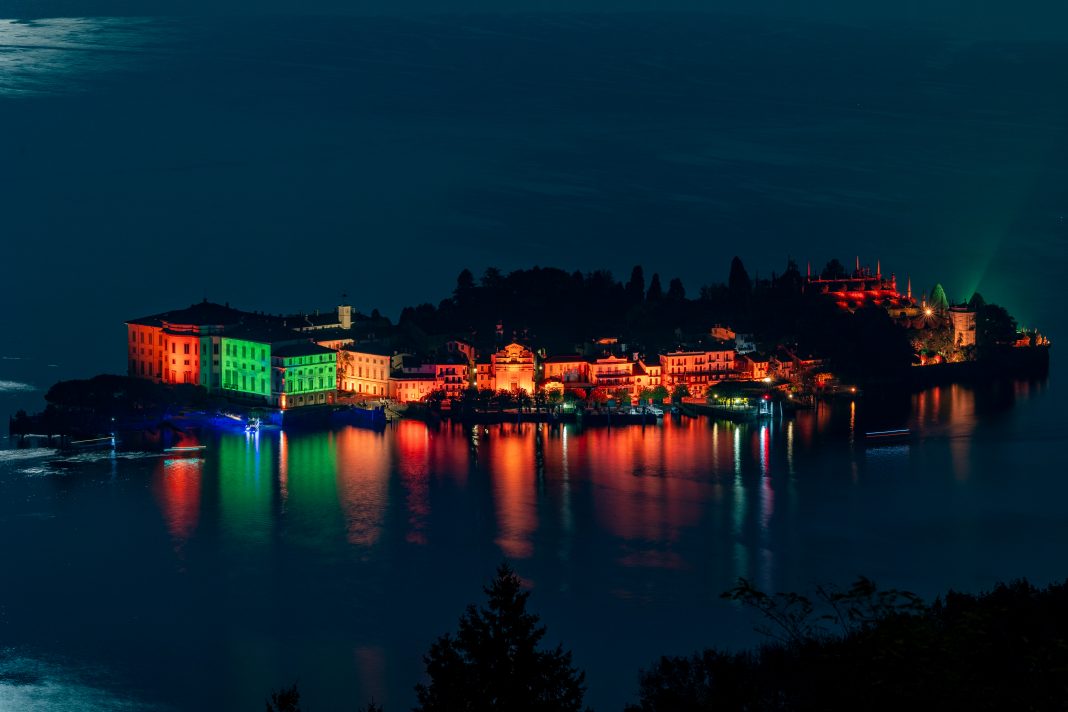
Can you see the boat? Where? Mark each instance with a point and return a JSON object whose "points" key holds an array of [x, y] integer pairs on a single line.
{"points": [[253, 425], [897, 436]]}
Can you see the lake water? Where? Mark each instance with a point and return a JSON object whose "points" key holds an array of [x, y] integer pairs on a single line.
{"points": [[336, 557]]}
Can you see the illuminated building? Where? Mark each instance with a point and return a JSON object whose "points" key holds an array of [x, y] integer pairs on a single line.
{"points": [[246, 367], [411, 387], [570, 369], [962, 320], [453, 376], [696, 369], [303, 374], [364, 371], [646, 375], [860, 289], [484, 376], [181, 346], [612, 372], [753, 366], [512, 368]]}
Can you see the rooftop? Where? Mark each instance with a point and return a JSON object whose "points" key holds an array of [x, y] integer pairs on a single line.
{"points": [[305, 349], [201, 313]]}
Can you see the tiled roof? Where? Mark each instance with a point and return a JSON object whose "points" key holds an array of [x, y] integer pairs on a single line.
{"points": [[201, 313]]}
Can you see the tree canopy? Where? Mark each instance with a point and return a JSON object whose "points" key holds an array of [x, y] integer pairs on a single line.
{"points": [[494, 662]]}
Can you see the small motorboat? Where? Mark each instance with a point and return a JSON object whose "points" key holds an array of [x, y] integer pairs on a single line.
{"points": [[253, 425]]}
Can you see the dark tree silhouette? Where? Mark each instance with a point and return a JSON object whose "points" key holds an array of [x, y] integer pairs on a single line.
{"points": [[494, 662], [738, 283], [636, 286], [866, 648], [656, 292], [994, 326], [676, 292], [285, 700], [833, 270]]}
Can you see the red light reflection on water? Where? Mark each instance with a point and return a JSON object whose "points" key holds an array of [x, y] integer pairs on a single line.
{"points": [[412, 447], [510, 454], [362, 483], [177, 488]]}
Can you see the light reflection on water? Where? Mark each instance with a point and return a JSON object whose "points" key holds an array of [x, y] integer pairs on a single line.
{"points": [[64, 55], [367, 544], [36, 685]]}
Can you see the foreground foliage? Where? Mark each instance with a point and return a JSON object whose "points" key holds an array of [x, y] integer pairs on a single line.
{"points": [[870, 649], [494, 661]]}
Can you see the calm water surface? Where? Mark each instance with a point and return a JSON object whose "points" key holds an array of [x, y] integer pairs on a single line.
{"points": [[336, 557]]}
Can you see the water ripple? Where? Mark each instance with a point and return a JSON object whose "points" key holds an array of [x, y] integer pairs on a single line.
{"points": [[59, 56]]}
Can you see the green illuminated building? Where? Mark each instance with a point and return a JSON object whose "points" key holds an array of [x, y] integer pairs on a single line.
{"points": [[277, 366], [304, 374], [245, 366]]}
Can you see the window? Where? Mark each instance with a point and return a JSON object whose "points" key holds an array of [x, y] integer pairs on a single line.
{"points": [[215, 349], [173, 346], [185, 347]]}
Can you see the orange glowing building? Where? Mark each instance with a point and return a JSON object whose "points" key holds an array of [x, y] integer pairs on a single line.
{"points": [[363, 371], [411, 387], [512, 369], [612, 372], [697, 369], [569, 369]]}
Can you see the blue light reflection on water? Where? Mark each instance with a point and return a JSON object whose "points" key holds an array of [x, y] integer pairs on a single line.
{"points": [[337, 556]]}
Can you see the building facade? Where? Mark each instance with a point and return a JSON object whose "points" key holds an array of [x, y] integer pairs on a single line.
{"points": [[363, 372], [303, 374], [512, 369]]}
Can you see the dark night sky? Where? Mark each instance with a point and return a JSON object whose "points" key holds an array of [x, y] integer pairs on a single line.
{"points": [[275, 162]]}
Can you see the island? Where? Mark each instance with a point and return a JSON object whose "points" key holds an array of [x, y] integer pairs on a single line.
{"points": [[543, 344]]}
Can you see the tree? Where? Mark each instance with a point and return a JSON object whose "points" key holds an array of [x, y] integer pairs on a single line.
{"points": [[504, 399], [938, 300], [738, 283], [621, 395], [676, 292], [495, 662], [645, 395], [541, 399], [656, 292], [465, 289], [994, 326], [833, 270], [658, 394], [679, 392], [435, 398], [599, 395], [285, 700], [635, 289]]}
